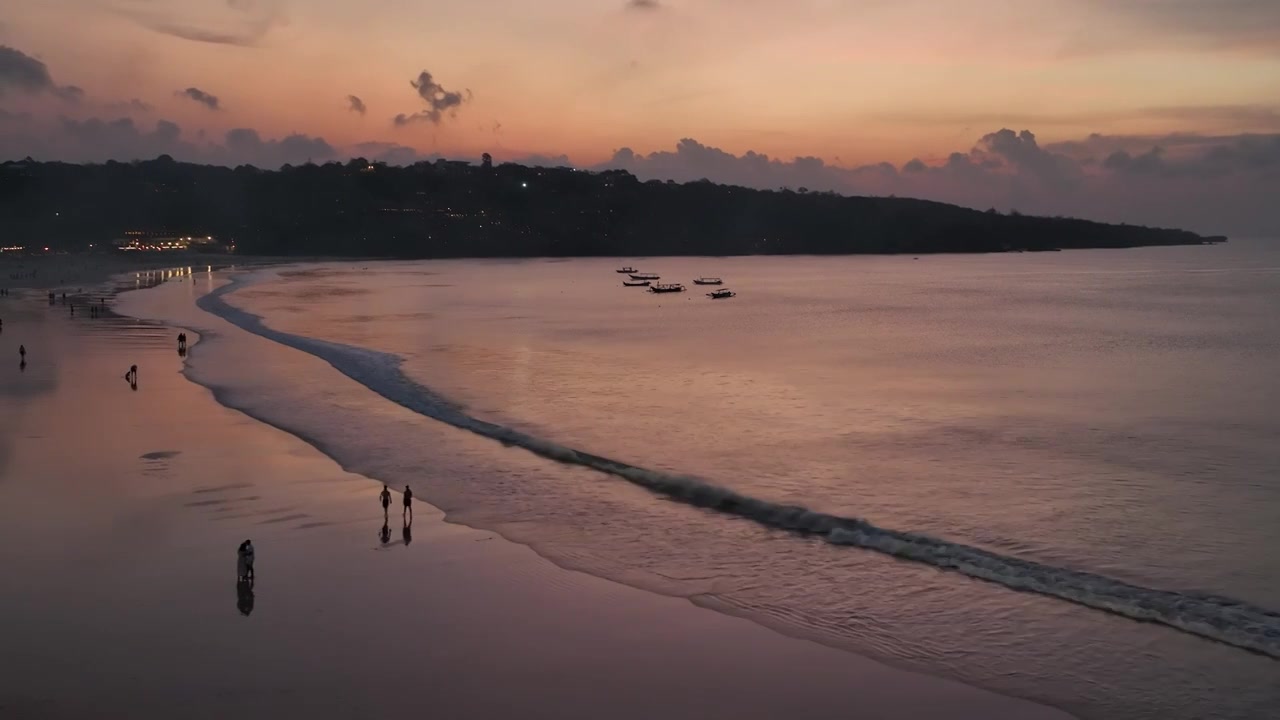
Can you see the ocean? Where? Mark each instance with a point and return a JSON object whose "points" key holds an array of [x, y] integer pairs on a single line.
{"points": [[1053, 475]]}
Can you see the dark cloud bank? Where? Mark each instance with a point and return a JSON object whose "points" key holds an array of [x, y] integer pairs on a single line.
{"points": [[22, 73], [1209, 184]]}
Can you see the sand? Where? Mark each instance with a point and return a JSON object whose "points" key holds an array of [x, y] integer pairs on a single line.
{"points": [[120, 513]]}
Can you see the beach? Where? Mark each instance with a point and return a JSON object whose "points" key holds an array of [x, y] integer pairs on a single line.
{"points": [[121, 508]]}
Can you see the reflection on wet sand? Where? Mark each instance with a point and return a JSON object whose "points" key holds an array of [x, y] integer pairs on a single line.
{"points": [[244, 596]]}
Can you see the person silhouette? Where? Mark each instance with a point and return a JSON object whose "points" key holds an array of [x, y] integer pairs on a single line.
{"points": [[385, 497], [408, 501], [22, 352], [244, 561]]}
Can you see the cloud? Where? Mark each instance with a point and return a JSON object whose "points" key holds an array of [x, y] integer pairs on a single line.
{"points": [[439, 101], [391, 153], [229, 22], [91, 140], [21, 72], [123, 139], [200, 96], [644, 5], [1207, 183], [134, 106], [243, 146], [355, 104], [1210, 184]]}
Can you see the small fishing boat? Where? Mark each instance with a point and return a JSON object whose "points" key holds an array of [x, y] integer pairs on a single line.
{"points": [[636, 283], [627, 270], [721, 293], [708, 281], [666, 288], [644, 276]]}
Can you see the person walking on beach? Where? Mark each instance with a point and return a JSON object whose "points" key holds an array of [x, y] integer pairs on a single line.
{"points": [[386, 500], [244, 561], [22, 352], [408, 500]]}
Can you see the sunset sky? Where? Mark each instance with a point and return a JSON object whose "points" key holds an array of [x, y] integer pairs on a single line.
{"points": [[852, 83]]}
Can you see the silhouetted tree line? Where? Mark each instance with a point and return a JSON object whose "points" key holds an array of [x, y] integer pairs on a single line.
{"points": [[453, 209]]}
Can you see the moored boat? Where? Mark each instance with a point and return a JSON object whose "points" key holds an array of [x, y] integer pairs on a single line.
{"points": [[644, 276], [636, 283], [666, 288], [721, 293], [628, 269], [708, 281]]}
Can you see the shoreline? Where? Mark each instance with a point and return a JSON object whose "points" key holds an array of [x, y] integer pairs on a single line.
{"points": [[577, 605], [1186, 613], [693, 604]]}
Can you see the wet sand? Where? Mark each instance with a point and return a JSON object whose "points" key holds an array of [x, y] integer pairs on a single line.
{"points": [[120, 512]]}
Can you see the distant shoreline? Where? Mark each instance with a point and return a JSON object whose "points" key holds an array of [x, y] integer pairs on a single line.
{"points": [[73, 269], [458, 210]]}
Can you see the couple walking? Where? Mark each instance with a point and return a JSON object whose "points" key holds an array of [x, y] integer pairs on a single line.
{"points": [[385, 497], [386, 500]]}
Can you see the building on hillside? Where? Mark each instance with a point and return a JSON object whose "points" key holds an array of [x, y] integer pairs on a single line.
{"points": [[145, 241]]}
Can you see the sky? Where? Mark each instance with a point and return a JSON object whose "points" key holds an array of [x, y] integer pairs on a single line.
{"points": [[1151, 111]]}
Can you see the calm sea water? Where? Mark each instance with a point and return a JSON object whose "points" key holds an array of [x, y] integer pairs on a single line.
{"points": [[1023, 418]]}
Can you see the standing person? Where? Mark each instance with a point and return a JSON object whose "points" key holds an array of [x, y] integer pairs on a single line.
{"points": [[386, 499], [22, 352], [244, 561], [408, 500]]}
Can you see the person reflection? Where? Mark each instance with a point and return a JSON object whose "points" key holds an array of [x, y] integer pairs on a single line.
{"points": [[385, 534], [244, 595], [407, 533], [22, 366]]}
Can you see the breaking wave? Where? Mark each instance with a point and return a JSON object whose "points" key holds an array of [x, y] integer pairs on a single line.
{"points": [[1210, 616]]}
